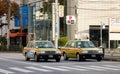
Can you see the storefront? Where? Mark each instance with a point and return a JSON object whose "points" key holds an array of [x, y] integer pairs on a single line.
{"points": [[40, 20]]}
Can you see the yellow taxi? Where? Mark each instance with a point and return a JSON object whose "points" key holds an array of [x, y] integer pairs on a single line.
{"points": [[81, 50], [41, 50]]}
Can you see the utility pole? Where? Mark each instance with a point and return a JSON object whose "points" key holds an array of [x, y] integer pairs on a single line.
{"points": [[56, 23], [8, 32], [21, 27]]}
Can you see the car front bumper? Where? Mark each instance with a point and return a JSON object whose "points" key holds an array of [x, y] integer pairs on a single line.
{"points": [[91, 56], [49, 56]]}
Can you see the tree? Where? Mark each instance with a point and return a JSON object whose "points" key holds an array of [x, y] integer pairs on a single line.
{"points": [[4, 7]]}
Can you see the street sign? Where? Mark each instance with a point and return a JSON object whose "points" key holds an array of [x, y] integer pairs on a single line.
{"points": [[61, 11], [70, 20]]}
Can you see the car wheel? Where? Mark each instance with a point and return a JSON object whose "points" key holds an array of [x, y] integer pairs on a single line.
{"points": [[36, 58], [78, 57], [99, 58], [65, 56], [26, 58], [46, 60], [57, 59]]}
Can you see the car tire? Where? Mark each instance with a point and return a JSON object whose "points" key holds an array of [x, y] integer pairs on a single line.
{"points": [[65, 56], [57, 59], [36, 58], [99, 58], [46, 60], [26, 58]]}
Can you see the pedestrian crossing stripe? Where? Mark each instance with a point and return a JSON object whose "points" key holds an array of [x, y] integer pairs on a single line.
{"points": [[29, 69], [71, 68], [105, 68], [39, 69], [5, 71], [20, 69], [55, 68], [111, 66], [90, 68]]}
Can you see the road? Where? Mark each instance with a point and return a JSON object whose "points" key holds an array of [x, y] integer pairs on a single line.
{"points": [[14, 63]]}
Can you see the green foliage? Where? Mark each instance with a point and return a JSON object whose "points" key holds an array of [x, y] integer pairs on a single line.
{"points": [[2, 40], [62, 41], [2, 43]]}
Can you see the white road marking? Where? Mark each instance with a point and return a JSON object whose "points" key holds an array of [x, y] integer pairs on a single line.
{"points": [[5, 71], [104, 68], [20, 69], [55, 68], [90, 68], [39, 69], [73, 68]]}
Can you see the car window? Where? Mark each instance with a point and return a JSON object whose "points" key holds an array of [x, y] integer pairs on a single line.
{"points": [[85, 44], [78, 44], [29, 44], [68, 44], [73, 45], [44, 44]]}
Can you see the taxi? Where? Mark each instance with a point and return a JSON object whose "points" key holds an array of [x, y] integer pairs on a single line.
{"points": [[41, 50], [81, 50]]}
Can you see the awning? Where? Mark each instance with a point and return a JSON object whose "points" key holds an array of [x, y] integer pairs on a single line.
{"points": [[16, 34]]}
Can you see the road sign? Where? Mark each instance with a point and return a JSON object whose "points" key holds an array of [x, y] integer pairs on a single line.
{"points": [[70, 20]]}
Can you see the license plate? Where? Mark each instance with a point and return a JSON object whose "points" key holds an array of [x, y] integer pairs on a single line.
{"points": [[93, 55], [51, 56]]}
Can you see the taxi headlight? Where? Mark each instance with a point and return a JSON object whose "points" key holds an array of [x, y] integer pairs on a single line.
{"points": [[100, 51], [59, 52], [85, 51]]}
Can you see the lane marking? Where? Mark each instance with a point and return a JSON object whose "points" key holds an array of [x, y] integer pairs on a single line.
{"points": [[20, 69], [5, 71], [39, 69], [55, 68]]}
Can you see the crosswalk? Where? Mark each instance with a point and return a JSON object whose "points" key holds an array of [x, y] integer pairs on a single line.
{"points": [[62, 68]]}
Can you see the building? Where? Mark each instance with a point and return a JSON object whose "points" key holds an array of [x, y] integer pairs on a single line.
{"points": [[90, 14], [17, 34]]}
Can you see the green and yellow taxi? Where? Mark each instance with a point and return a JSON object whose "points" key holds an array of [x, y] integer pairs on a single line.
{"points": [[81, 50], [41, 50]]}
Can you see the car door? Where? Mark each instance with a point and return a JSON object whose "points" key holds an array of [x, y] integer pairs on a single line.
{"points": [[30, 50], [67, 48], [73, 50]]}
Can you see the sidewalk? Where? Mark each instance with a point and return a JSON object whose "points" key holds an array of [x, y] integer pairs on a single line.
{"points": [[112, 54]]}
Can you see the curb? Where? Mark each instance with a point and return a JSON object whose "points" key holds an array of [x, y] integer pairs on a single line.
{"points": [[111, 59]]}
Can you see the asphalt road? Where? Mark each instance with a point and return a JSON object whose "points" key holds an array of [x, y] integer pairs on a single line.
{"points": [[14, 63]]}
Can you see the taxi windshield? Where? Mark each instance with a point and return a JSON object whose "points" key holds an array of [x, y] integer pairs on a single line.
{"points": [[85, 44], [44, 44]]}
